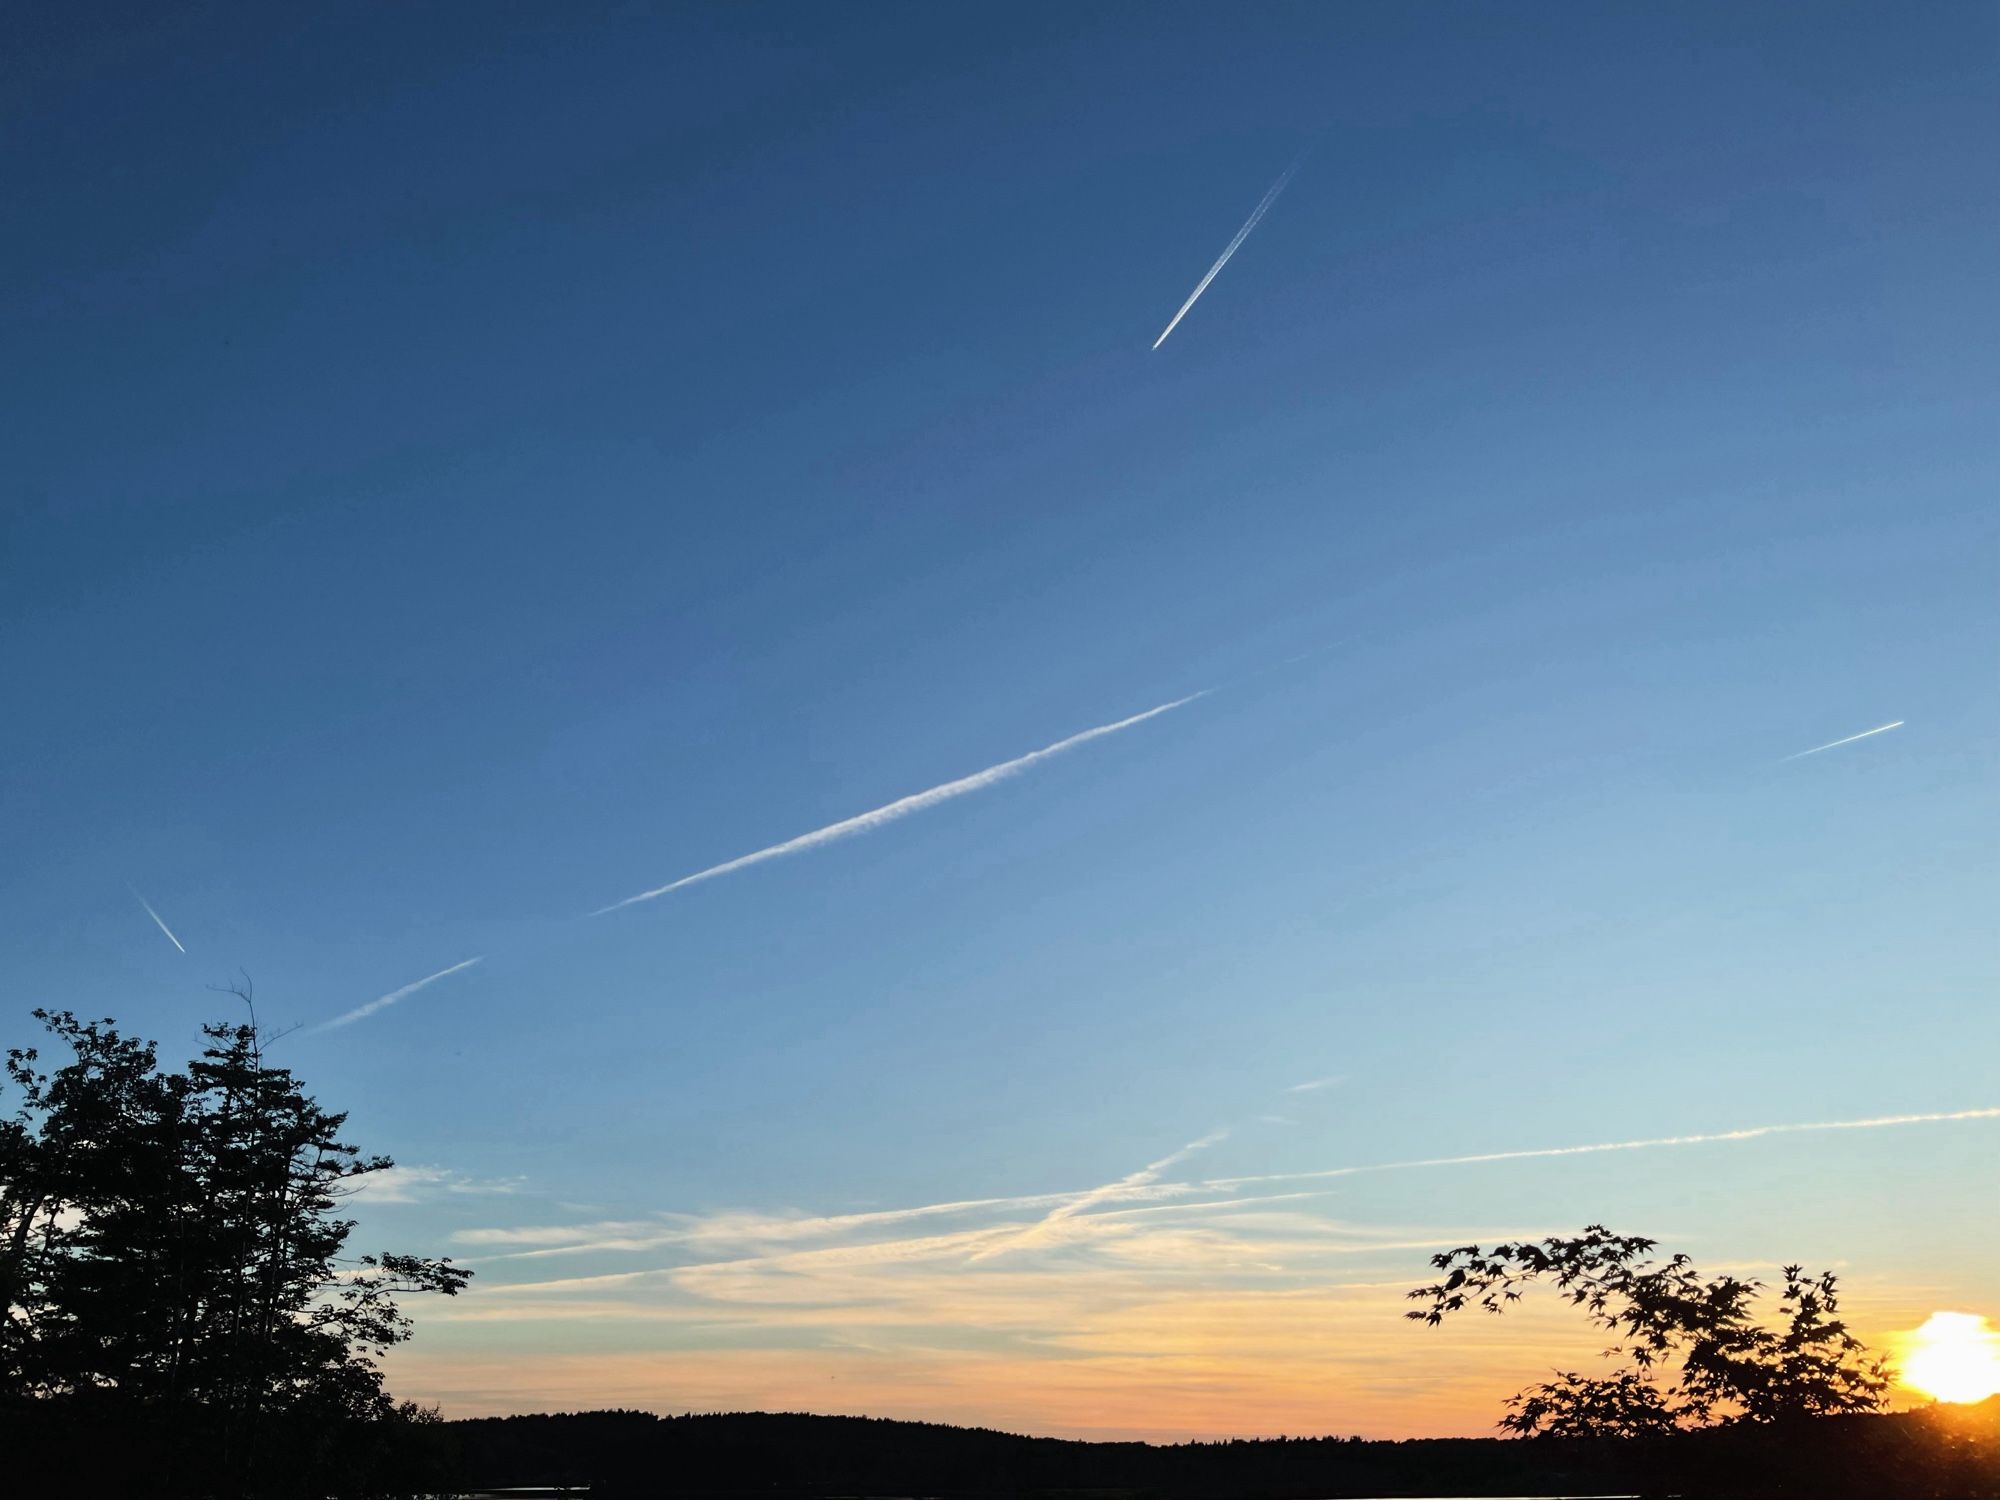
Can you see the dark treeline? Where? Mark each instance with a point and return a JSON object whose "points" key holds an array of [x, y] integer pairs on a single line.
{"points": [[1946, 1454]]}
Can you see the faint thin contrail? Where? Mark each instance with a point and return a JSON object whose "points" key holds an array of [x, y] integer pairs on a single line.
{"points": [[1749, 1133], [1256, 214], [156, 918], [902, 807], [1836, 744], [383, 1002]]}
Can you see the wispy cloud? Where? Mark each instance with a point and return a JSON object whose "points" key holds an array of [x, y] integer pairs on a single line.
{"points": [[725, 1229], [902, 807], [1128, 1236], [421, 1184], [1315, 1085], [1256, 216], [156, 918], [733, 1228], [383, 1002], [1137, 1193], [1836, 744]]}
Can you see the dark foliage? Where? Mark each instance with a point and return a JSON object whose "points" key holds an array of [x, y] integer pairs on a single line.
{"points": [[1699, 1356], [178, 1303]]}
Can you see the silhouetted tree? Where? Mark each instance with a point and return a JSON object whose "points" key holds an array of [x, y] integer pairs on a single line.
{"points": [[1731, 1367], [171, 1257]]}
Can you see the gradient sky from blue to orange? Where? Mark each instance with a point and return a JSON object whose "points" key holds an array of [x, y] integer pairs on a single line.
{"points": [[468, 467]]}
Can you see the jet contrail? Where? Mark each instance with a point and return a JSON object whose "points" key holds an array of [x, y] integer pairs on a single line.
{"points": [[1836, 744], [902, 807], [156, 918], [1084, 1202], [1749, 1133], [1256, 214], [383, 1002]]}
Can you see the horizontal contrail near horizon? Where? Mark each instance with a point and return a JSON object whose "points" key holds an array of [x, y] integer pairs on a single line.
{"points": [[1836, 744], [156, 918], [1256, 214], [383, 1002], [1748, 1133], [902, 807]]}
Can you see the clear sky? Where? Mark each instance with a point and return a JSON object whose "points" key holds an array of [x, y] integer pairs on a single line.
{"points": [[470, 465]]}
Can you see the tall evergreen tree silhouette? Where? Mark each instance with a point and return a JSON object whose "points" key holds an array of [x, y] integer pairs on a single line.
{"points": [[173, 1259]]}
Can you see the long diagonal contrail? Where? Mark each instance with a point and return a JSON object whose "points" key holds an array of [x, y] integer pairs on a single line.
{"points": [[383, 1002], [156, 919], [1836, 744], [1256, 214], [902, 807]]}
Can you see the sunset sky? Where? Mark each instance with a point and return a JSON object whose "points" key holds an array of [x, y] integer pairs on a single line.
{"points": [[469, 466]]}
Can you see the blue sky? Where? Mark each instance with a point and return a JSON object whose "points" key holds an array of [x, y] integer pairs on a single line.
{"points": [[470, 466]]}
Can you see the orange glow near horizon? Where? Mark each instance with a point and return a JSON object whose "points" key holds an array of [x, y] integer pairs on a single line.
{"points": [[1954, 1357], [1200, 1364]]}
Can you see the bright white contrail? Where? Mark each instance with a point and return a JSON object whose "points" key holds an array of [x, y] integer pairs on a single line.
{"points": [[1748, 1133], [902, 807], [1836, 744], [1256, 214], [383, 1002], [156, 918]]}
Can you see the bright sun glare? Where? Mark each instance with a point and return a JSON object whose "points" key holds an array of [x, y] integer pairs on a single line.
{"points": [[1955, 1357]]}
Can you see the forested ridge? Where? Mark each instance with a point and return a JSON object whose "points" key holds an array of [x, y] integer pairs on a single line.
{"points": [[1938, 1454]]}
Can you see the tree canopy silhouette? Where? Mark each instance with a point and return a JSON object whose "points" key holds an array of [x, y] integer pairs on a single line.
{"points": [[172, 1261], [1664, 1314]]}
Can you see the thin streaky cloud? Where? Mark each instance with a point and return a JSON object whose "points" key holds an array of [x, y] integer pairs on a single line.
{"points": [[1203, 1205], [1836, 744], [1749, 1133], [730, 1227], [1256, 216], [383, 1002], [1124, 1187], [156, 919], [1315, 1085], [974, 1245], [902, 807]]}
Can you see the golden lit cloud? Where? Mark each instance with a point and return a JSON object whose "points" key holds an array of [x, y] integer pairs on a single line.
{"points": [[1165, 1319]]}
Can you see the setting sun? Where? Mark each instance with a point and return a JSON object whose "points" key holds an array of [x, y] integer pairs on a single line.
{"points": [[1954, 1357]]}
